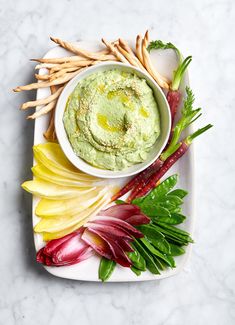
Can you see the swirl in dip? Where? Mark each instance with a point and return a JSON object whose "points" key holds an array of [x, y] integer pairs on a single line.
{"points": [[112, 119]]}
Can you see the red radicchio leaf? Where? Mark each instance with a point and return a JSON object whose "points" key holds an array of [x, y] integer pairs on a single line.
{"points": [[138, 219]]}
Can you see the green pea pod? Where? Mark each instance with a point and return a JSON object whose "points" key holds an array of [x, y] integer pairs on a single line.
{"points": [[162, 189], [180, 193], [176, 230], [106, 268], [175, 236], [161, 244], [176, 250], [174, 219], [172, 199], [150, 263], [176, 210], [170, 261], [137, 260], [135, 270], [155, 237], [160, 263], [150, 231], [120, 202], [153, 209]]}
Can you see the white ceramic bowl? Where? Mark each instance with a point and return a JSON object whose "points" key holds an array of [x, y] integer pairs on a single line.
{"points": [[165, 122]]}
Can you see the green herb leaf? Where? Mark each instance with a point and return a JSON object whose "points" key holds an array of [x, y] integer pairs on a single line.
{"points": [[106, 268], [159, 45]]}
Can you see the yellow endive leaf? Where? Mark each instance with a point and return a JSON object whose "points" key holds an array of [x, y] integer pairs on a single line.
{"points": [[49, 236], [45, 174], [52, 191], [58, 224], [67, 208], [51, 156]]}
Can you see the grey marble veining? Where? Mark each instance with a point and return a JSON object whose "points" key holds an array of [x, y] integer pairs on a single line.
{"points": [[204, 293]]}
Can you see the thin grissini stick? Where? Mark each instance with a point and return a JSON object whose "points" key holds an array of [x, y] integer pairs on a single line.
{"points": [[71, 59], [50, 134], [112, 48], [43, 101], [59, 81], [43, 110], [72, 48], [44, 66], [139, 48], [163, 82], [54, 75], [128, 49], [60, 60], [127, 56], [83, 63], [41, 77], [130, 56]]}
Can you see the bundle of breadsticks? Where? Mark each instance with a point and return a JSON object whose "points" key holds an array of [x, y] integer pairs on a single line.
{"points": [[63, 69]]}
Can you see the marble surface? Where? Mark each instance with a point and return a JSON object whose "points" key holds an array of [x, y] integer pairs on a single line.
{"points": [[204, 293]]}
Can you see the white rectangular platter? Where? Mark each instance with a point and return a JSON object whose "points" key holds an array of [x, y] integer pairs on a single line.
{"points": [[165, 62]]}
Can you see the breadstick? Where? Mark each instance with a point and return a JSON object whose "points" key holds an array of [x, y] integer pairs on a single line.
{"points": [[43, 101]]}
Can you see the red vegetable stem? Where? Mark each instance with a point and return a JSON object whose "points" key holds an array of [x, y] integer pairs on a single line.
{"points": [[171, 160], [141, 177], [173, 98], [161, 172]]}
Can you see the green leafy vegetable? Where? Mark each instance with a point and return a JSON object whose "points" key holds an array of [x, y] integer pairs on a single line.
{"points": [[159, 45]]}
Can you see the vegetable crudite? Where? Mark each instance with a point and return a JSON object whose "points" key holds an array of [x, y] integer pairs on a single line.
{"points": [[139, 227]]}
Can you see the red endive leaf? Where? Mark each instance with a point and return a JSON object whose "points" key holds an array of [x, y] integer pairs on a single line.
{"points": [[117, 223], [120, 211], [86, 253], [40, 256], [138, 219], [69, 250], [98, 244], [119, 255], [110, 230], [55, 243]]}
